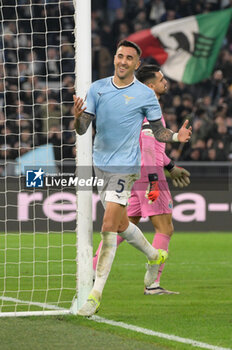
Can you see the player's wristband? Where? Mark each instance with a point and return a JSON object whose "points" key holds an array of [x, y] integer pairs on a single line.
{"points": [[170, 166], [153, 177], [175, 137]]}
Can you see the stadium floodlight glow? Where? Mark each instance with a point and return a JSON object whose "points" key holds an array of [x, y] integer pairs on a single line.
{"points": [[45, 261]]}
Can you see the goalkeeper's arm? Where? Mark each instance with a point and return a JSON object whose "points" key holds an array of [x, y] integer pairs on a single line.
{"points": [[163, 134]]}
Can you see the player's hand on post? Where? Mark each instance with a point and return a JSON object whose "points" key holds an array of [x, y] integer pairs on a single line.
{"points": [[184, 133], [78, 104], [179, 176], [152, 192]]}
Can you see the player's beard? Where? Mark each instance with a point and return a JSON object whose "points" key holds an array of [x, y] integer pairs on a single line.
{"points": [[123, 75], [163, 92]]}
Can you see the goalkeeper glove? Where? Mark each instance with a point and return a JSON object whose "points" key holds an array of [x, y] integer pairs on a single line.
{"points": [[179, 176], [152, 192]]}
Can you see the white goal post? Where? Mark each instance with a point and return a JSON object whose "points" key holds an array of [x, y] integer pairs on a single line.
{"points": [[84, 155], [45, 230]]}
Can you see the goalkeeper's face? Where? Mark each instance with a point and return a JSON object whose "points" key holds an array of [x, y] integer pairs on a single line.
{"points": [[159, 84], [126, 61]]}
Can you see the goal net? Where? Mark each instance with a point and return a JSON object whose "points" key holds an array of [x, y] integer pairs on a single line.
{"points": [[38, 240]]}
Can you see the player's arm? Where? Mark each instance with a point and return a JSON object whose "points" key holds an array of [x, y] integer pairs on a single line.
{"points": [[163, 134], [82, 120], [147, 147], [147, 141]]}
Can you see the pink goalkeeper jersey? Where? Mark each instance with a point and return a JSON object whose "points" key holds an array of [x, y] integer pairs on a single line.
{"points": [[153, 157]]}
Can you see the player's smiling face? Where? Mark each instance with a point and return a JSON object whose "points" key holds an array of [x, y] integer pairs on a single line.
{"points": [[126, 61]]}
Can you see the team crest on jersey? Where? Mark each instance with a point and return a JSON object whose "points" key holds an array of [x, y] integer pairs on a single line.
{"points": [[127, 99], [170, 204]]}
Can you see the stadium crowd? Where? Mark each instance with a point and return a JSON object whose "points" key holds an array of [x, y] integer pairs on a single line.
{"points": [[37, 75]]}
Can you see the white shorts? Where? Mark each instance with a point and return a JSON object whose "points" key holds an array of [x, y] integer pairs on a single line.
{"points": [[116, 187]]}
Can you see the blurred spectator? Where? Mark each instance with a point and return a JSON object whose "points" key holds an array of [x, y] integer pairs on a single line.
{"points": [[201, 127], [225, 64], [112, 7], [217, 87], [34, 65], [170, 118], [5, 152], [141, 20], [67, 20], [61, 148], [53, 64], [211, 155], [184, 8], [101, 59], [55, 137], [119, 19], [220, 141], [184, 109], [169, 15], [193, 155], [123, 33], [2, 89], [50, 114], [68, 62], [133, 7], [7, 134], [155, 10], [107, 36]]}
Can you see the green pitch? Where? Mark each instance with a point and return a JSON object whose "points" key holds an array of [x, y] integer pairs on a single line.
{"points": [[199, 267]]}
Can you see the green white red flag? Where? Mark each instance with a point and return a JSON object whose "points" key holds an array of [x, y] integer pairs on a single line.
{"points": [[187, 48]]}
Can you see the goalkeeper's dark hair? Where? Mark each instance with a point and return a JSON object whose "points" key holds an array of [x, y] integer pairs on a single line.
{"points": [[147, 72], [128, 43]]}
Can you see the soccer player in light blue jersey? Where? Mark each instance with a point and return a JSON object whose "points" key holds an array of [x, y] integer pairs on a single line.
{"points": [[119, 104]]}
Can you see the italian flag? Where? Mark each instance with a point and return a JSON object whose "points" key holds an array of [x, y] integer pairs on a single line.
{"points": [[186, 48]]}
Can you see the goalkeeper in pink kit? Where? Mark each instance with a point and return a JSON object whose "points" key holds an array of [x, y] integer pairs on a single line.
{"points": [[150, 195]]}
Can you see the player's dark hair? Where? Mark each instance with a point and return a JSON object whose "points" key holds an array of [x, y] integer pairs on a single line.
{"points": [[147, 72], [128, 43]]}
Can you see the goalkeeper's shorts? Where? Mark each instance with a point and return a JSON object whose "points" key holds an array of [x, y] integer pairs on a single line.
{"points": [[139, 206]]}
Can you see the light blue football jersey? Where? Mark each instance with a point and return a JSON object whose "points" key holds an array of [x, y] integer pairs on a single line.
{"points": [[119, 115]]}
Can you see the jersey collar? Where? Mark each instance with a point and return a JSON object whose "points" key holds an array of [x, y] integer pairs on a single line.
{"points": [[122, 87]]}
